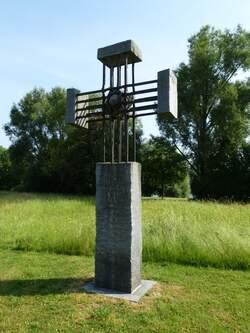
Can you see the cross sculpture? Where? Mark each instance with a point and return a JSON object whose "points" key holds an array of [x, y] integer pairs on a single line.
{"points": [[118, 181]]}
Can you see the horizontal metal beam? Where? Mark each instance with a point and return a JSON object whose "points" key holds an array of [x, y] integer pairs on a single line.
{"points": [[144, 91], [142, 83], [92, 92], [99, 106], [89, 100], [107, 89], [138, 100], [146, 99], [136, 116], [90, 107], [146, 107], [136, 109], [145, 114]]}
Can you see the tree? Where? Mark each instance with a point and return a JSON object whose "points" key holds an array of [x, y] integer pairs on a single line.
{"points": [[5, 176], [36, 127], [164, 172], [213, 120], [231, 179]]}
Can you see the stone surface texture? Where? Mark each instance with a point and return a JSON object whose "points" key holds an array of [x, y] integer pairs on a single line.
{"points": [[115, 55], [70, 106], [118, 226], [73, 116], [167, 92]]}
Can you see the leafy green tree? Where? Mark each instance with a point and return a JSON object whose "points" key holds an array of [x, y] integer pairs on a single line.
{"points": [[5, 167], [36, 127], [164, 172], [213, 120], [231, 179]]}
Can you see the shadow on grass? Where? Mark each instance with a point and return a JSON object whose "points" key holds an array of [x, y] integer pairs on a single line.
{"points": [[42, 286]]}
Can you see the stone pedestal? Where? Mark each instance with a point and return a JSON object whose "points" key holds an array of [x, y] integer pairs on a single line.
{"points": [[118, 226]]}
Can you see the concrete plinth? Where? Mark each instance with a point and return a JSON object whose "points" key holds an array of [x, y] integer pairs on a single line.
{"points": [[135, 297], [118, 226]]}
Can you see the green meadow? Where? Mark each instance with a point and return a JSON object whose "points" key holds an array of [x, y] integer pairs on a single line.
{"points": [[198, 252], [174, 230]]}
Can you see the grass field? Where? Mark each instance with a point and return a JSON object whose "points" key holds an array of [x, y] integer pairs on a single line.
{"points": [[41, 292], [174, 230]]}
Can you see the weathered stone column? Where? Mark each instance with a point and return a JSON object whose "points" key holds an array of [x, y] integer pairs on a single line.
{"points": [[118, 226]]}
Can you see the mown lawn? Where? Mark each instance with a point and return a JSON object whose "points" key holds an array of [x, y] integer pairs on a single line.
{"points": [[41, 292], [174, 230]]}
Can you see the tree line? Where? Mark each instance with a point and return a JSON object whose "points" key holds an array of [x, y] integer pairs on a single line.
{"points": [[206, 148]]}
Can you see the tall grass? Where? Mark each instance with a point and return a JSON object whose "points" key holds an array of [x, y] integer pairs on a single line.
{"points": [[199, 233], [60, 224]]}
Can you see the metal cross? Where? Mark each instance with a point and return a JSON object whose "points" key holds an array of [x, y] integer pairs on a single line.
{"points": [[122, 100]]}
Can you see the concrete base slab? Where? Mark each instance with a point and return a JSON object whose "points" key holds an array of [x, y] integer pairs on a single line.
{"points": [[135, 296]]}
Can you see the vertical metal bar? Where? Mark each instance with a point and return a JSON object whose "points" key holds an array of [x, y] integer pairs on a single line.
{"points": [[120, 140], [113, 141], [134, 133], [126, 116], [111, 77], [103, 120], [118, 76], [112, 121], [119, 122]]}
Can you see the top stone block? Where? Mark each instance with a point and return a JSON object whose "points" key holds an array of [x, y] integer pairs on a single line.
{"points": [[115, 55]]}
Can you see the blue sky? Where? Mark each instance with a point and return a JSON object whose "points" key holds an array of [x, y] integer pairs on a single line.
{"points": [[53, 43]]}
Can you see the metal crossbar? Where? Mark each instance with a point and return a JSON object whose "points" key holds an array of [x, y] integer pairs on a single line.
{"points": [[120, 101]]}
